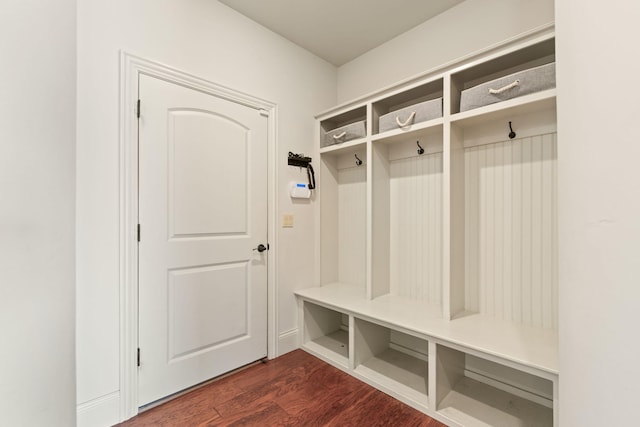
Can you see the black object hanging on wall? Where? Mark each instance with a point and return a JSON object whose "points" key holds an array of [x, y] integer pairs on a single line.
{"points": [[512, 134], [303, 162]]}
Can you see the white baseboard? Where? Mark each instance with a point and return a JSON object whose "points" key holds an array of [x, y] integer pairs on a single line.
{"points": [[105, 411], [101, 412], [287, 341]]}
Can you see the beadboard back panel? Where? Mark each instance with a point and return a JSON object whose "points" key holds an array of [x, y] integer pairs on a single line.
{"points": [[416, 227], [352, 191], [511, 269]]}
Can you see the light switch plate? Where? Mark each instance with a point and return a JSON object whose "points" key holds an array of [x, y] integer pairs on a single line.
{"points": [[287, 220]]}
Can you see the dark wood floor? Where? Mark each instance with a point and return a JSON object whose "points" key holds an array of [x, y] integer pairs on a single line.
{"points": [[296, 389]]}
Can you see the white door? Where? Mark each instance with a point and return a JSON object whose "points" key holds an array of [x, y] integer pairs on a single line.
{"points": [[202, 211]]}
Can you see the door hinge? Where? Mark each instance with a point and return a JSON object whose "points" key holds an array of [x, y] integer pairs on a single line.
{"points": [[138, 356], [138, 232], [138, 109]]}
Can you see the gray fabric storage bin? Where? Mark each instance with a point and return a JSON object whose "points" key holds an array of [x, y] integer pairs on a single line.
{"points": [[345, 133], [530, 81], [424, 111]]}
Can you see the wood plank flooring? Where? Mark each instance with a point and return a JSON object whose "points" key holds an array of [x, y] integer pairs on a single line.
{"points": [[296, 389]]}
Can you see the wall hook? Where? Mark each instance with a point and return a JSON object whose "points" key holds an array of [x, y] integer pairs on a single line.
{"points": [[358, 161], [512, 134], [420, 149]]}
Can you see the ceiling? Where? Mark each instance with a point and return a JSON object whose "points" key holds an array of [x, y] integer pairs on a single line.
{"points": [[340, 30]]}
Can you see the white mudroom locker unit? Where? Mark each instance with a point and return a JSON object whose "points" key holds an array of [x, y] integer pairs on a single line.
{"points": [[438, 240]]}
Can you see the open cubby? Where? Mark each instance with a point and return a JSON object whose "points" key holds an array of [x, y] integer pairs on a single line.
{"points": [[506, 203], [326, 332], [395, 361], [407, 218], [343, 188], [477, 392], [518, 60], [415, 95], [343, 119]]}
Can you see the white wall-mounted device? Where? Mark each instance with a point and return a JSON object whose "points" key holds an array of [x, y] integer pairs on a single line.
{"points": [[299, 190]]}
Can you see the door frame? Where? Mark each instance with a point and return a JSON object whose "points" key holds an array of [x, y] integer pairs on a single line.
{"points": [[131, 66]]}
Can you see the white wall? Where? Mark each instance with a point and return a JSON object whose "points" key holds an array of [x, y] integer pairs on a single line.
{"points": [[470, 26], [207, 39], [37, 168], [599, 193]]}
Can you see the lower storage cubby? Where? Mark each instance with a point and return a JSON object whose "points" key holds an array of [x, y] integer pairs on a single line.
{"points": [[326, 333], [394, 362], [472, 391]]}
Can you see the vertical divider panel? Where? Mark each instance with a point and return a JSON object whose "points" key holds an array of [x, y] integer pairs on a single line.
{"points": [[380, 213], [317, 201], [556, 403], [453, 244], [370, 189], [301, 322], [328, 220], [446, 200], [352, 342], [433, 375], [449, 370], [452, 104], [457, 282]]}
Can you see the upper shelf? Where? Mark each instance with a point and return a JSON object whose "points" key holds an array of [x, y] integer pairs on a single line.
{"points": [[419, 130], [343, 147], [523, 105]]}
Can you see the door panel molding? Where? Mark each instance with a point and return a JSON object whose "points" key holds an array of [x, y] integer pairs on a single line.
{"points": [[131, 67], [210, 218]]}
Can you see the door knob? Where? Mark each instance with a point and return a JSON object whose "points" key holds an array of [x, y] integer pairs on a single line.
{"points": [[261, 248]]}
